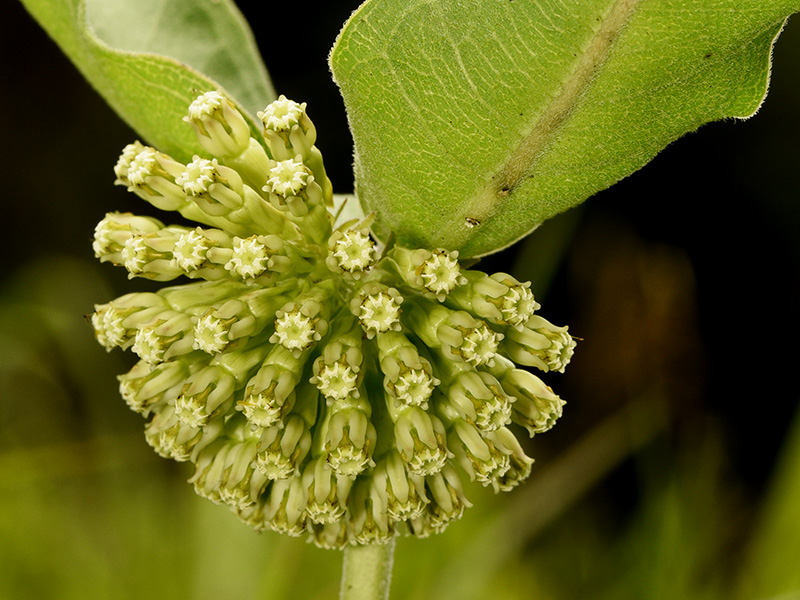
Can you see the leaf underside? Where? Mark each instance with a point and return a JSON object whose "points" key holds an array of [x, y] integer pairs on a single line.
{"points": [[475, 120], [150, 58]]}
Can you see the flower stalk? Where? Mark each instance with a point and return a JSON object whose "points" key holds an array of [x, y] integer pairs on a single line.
{"points": [[367, 572]]}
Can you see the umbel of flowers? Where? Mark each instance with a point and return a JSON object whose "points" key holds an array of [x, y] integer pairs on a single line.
{"points": [[320, 383]]}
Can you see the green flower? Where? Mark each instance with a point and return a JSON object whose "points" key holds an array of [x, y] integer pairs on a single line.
{"points": [[320, 383]]}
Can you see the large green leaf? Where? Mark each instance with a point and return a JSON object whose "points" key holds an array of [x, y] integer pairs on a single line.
{"points": [[476, 120], [150, 58]]}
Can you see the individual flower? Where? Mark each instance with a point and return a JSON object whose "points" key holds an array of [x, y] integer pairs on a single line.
{"points": [[320, 383]]}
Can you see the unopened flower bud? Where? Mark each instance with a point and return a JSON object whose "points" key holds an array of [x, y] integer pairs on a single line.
{"points": [[447, 502], [216, 189], [457, 334], [351, 251], [536, 407], [498, 298], [283, 448], [420, 439], [349, 437], [408, 377], [434, 273], [285, 507], [377, 308], [164, 338], [540, 344], [206, 394], [151, 176], [476, 454], [327, 492], [220, 127], [145, 385]]}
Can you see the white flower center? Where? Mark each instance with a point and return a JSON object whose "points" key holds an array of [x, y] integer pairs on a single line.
{"points": [[281, 115], [250, 258], [190, 251], [294, 331], [198, 175], [354, 252], [210, 334], [287, 178]]}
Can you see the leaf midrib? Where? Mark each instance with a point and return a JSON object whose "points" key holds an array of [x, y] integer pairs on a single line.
{"points": [[500, 185]]}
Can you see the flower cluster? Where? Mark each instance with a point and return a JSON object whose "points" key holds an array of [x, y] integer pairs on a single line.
{"points": [[321, 384]]}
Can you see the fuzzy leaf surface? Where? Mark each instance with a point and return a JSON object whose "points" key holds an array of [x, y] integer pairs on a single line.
{"points": [[150, 58], [476, 120]]}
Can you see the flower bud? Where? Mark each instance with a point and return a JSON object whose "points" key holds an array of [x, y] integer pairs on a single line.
{"points": [[151, 176], [420, 439], [166, 337], [327, 492], [434, 273], [205, 395], [447, 503], [377, 308], [540, 344], [282, 448], [401, 493], [536, 406], [348, 436], [146, 385], [284, 510], [456, 334], [220, 127], [408, 377], [171, 438], [337, 371], [217, 190], [498, 298]]}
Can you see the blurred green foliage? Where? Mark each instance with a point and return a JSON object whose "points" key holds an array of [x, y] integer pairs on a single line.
{"points": [[675, 472]]}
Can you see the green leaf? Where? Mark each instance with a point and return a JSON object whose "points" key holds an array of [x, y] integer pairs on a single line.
{"points": [[476, 120], [150, 58]]}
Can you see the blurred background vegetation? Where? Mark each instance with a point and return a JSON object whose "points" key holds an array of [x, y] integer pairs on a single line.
{"points": [[674, 473]]}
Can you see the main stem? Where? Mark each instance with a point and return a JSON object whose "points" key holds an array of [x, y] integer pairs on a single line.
{"points": [[367, 572]]}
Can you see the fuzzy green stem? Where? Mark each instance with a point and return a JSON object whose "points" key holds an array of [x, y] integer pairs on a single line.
{"points": [[367, 572]]}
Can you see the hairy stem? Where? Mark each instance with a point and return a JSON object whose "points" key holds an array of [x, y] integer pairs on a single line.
{"points": [[367, 572]]}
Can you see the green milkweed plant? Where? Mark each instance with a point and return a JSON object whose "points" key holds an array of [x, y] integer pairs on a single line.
{"points": [[336, 367]]}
